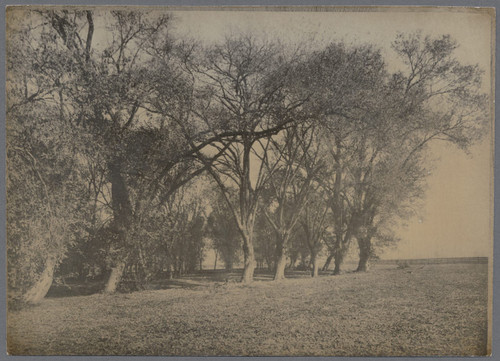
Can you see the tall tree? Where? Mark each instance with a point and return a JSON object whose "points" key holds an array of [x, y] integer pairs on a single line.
{"points": [[346, 81], [244, 85], [47, 208], [293, 162], [104, 88], [434, 98]]}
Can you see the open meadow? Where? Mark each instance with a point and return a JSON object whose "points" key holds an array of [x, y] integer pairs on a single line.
{"points": [[433, 309]]}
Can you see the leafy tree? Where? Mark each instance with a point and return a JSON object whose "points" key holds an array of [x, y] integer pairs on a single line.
{"points": [[104, 89], [46, 212], [346, 81], [437, 98], [173, 232], [47, 208]]}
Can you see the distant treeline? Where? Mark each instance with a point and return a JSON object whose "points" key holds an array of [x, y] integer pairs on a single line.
{"points": [[446, 260]]}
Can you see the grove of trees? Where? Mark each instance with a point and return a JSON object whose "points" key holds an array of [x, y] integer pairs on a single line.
{"points": [[129, 149]]}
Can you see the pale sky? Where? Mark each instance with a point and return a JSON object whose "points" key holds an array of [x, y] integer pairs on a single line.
{"points": [[456, 219]]}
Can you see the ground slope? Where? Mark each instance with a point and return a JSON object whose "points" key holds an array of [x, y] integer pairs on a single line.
{"points": [[422, 310]]}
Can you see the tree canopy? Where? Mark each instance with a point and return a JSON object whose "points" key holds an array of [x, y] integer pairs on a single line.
{"points": [[118, 133]]}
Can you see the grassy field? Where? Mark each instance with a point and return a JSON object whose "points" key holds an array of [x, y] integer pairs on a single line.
{"points": [[425, 310]]}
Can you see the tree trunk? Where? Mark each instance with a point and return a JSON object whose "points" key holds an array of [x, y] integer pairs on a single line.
{"points": [[341, 251], [338, 262], [114, 278], [39, 290], [364, 254], [250, 264], [315, 266], [327, 263], [363, 263], [280, 256], [279, 273], [215, 263], [249, 268], [170, 271], [122, 220]]}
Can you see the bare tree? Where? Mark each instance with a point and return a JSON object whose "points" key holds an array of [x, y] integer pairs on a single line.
{"points": [[245, 82], [315, 222], [293, 162]]}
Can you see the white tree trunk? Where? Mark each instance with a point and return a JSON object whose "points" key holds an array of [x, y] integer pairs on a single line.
{"points": [[114, 278], [39, 290], [280, 268], [249, 267], [315, 269], [249, 254]]}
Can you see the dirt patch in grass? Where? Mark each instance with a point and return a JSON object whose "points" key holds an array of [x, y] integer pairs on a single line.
{"points": [[431, 310]]}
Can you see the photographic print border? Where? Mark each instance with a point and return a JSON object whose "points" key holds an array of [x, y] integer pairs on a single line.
{"points": [[495, 339]]}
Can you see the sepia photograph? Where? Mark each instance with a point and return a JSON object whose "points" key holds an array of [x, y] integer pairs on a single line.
{"points": [[249, 181]]}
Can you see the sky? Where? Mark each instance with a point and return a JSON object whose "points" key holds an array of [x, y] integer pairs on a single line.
{"points": [[456, 217]]}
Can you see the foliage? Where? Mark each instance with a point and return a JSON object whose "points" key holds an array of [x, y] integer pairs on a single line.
{"points": [[47, 208], [112, 123]]}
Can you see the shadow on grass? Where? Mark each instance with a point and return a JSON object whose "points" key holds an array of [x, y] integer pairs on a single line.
{"points": [[202, 278], [74, 289]]}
